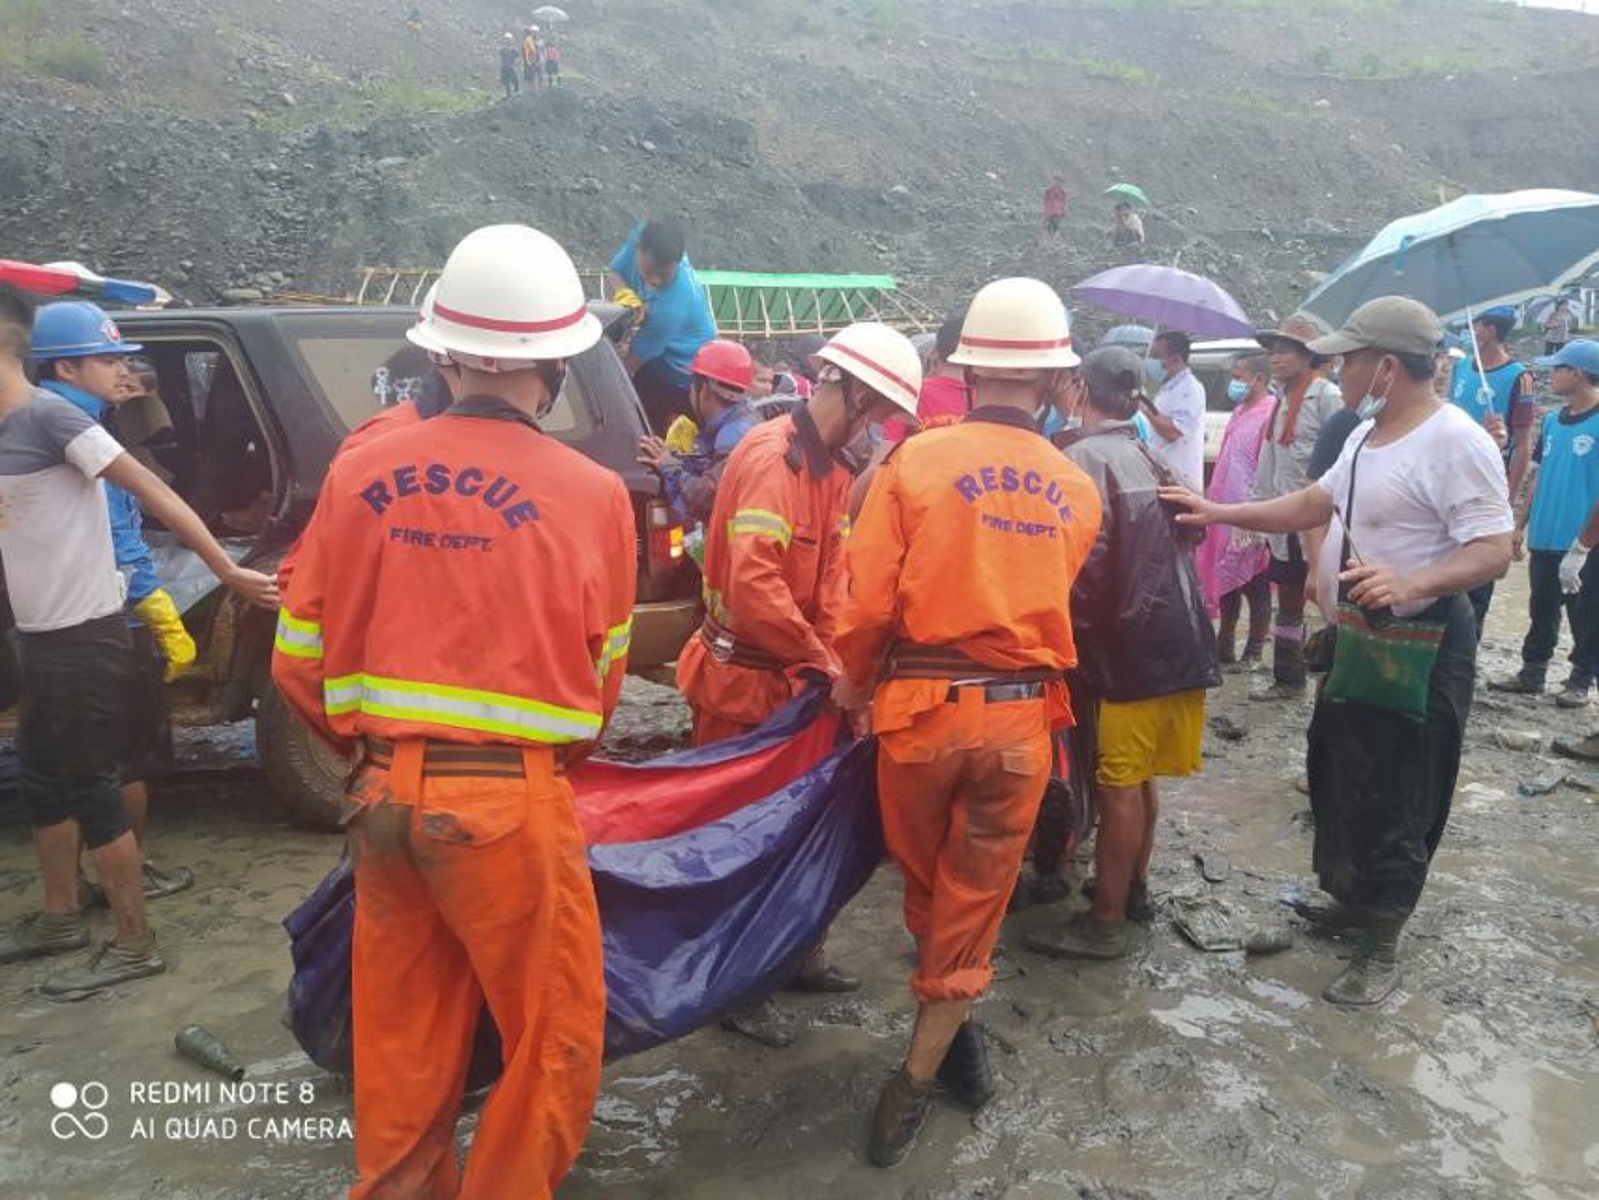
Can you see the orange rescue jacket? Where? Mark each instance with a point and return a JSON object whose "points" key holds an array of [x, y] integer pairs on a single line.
{"points": [[970, 539], [469, 580], [386, 420], [774, 545]]}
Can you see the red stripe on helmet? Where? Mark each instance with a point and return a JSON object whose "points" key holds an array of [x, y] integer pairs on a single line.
{"points": [[876, 366], [983, 343], [496, 325]]}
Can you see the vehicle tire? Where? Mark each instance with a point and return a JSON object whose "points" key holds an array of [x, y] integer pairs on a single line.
{"points": [[305, 776]]}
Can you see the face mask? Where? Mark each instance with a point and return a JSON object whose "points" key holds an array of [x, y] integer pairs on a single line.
{"points": [[1374, 401], [1156, 370], [1237, 389]]}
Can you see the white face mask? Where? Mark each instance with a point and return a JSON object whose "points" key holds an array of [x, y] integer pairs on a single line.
{"points": [[1373, 403]]}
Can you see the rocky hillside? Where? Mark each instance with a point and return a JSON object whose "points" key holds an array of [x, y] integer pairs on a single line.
{"points": [[221, 143]]}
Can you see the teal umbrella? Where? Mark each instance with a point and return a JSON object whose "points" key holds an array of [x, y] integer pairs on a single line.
{"points": [[1128, 191]]}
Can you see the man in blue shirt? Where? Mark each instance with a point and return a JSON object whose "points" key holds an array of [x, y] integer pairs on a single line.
{"points": [[1559, 528], [1495, 390], [652, 272]]}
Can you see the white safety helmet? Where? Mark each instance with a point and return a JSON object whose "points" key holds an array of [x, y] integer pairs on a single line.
{"points": [[881, 358], [1016, 327], [508, 297]]}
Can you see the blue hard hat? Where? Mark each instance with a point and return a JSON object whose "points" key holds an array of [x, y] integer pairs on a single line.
{"points": [[1580, 355], [75, 329], [1499, 312]]}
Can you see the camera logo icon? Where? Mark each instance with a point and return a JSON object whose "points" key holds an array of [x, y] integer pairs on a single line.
{"points": [[78, 1111]]}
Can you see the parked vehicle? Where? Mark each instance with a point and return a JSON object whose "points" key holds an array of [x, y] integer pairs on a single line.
{"points": [[259, 400]]}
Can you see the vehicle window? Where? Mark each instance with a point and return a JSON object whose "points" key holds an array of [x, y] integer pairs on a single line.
{"points": [[198, 430], [359, 375]]}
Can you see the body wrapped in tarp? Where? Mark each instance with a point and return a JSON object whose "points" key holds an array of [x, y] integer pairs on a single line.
{"points": [[717, 870]]}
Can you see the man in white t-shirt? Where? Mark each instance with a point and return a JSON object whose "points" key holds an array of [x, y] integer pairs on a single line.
{"points": [[1177, 414], [67, 597], [1421, 487]]}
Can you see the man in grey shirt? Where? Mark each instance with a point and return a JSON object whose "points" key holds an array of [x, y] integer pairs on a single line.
{"points": [[1306, 400], [67, 597]]}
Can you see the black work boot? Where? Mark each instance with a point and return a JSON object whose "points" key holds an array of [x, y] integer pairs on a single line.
{"points": [[1373, 973], [1526, 682], [964, 1072], [1574, 693], [902, 1110]]}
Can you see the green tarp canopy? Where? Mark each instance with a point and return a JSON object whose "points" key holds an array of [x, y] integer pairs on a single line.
{"points": [[762, 304]]}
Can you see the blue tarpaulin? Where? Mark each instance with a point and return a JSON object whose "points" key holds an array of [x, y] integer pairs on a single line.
{"points": [[717, 870]]}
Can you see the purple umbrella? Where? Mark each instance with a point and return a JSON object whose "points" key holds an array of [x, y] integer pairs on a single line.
{"points": [[1176, 299]]}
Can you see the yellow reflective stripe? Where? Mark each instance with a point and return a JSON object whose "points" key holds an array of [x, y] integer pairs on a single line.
{"points": [[845, 526], [297, 638], [759, 521], [458, 708], [617, 641]]}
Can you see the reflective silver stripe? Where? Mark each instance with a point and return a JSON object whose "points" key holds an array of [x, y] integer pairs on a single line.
{"points": [[297, 638], [459, 708]]}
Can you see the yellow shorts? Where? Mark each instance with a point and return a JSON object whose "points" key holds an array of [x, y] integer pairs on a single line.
{"points": [[1140, 739]]}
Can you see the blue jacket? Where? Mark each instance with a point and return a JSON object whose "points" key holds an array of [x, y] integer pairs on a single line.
{"points": [[691, 481], [127, 521], [677, 320]]}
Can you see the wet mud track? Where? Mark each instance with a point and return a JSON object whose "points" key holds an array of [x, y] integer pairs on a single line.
{"points": [[1174, 1075]]}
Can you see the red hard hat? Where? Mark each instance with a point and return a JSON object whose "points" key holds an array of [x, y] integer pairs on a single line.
{"points": [[722, 361]]}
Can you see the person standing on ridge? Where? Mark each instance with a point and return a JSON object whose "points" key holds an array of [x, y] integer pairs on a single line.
{"points": [[1055, 199], [510, 57], [957, 632], [422, 636]]}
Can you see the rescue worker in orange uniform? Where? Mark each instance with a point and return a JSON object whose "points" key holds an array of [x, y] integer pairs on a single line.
{"points": [[774, 545], [459, 621], [960, 570], [773, 571]]}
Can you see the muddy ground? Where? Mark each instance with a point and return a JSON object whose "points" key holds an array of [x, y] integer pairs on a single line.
{"points": [[1173, 1076]]}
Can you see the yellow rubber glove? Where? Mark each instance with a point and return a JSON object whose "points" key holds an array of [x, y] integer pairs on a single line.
{"points": [[626, 297], [680, 435], [158, 612]]}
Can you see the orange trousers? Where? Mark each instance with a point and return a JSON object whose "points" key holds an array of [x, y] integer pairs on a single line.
{"points": [[727, 699], [471, 887], [960, 788]]}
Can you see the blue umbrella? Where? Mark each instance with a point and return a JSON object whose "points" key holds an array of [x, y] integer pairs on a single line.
{"points": [[1469, 254]]}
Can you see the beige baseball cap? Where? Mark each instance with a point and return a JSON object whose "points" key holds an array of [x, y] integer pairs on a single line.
{"points": [[1397, 324]]}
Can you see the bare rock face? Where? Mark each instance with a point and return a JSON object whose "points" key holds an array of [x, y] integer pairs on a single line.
{"points": [[308, 139]]}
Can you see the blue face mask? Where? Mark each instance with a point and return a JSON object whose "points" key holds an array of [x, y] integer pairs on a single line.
{"points": [[1156, 370], [1237, 389]]}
